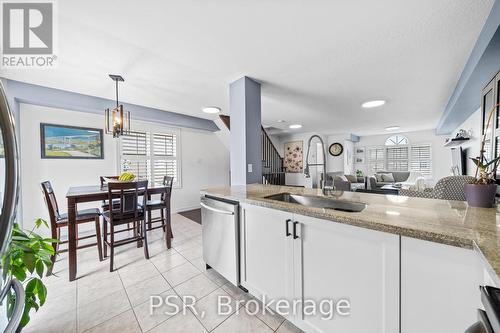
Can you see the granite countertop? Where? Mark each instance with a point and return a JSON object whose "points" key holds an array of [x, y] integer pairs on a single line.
{"points": [[441, 221]]}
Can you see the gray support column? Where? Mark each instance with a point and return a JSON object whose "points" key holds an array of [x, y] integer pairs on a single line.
{"points": [[246, 154]]}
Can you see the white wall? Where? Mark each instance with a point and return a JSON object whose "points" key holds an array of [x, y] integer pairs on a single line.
{"points": [[334, 163], [441, 156], [204, 162], [471, 147]]}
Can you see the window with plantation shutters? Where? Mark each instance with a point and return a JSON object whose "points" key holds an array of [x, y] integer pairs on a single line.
{"points": [[397, 158], [376, 158], [421, 159], [151, 155]]}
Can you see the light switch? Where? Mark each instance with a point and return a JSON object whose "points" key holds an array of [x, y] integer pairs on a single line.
{"points": [[249, 167]]}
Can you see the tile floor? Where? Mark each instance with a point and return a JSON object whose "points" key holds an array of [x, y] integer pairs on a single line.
{"points": [[119, 301]]}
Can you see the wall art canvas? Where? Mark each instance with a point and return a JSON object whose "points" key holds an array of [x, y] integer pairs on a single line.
{"points": [[293, 160], [70, 142]]}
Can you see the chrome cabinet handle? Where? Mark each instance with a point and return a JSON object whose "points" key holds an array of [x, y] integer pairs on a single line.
{"points": [[287, 233], [295, 230], [18, 311], [226, 212]]}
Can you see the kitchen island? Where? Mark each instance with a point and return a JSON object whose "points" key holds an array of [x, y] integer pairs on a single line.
{"points": [[405, 264]]}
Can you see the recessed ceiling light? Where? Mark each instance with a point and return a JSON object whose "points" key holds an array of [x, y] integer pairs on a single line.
{"points": [[392, 212], [295, 126], [211, 109], [373, 103], [392, 128], [281, 121]]}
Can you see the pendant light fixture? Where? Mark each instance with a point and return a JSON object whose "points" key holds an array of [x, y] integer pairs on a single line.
{"points": [[117, 121]]}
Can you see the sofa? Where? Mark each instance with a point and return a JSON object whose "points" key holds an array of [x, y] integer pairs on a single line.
{"points": [[345, 182], [377, 180]]}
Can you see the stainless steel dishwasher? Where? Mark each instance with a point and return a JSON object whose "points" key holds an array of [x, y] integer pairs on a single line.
{"points": [[220, 237]]}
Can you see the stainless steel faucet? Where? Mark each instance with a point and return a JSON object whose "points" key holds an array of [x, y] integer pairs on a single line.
{"points": [[326, 185]]}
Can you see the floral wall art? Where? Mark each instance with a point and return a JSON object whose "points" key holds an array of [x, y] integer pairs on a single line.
{"points": [[293, 157]]}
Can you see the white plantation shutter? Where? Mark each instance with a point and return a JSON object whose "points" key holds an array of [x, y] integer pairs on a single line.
{"points": [[165, 157], [151, 156], [376, 158], [421, 159], [134, 154], [397, 158], [135, 144], [164, 144]]}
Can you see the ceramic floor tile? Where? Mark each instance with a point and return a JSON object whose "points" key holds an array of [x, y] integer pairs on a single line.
{"points": [[180, 323], [149, 316], [192, 253], [187, 245], [198, 287], [89, 292], [138, 274], [216, 277], [236, 292], [180, 273], [99, 311], [269, 317], [288, 327], [140, 292], [123, 323], [63, 323], [168, 260], [242, 322], [207, 309]]}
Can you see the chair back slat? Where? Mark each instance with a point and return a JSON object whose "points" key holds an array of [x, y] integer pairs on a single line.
{"points": [[167, 183], [51, 203], [128, 194]]}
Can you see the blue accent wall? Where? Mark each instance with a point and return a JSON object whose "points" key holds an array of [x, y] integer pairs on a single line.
{"points": [[482, 65], [20, 92]]}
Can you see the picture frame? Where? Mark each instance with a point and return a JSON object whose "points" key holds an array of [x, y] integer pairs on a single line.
{"points": [[70, 142], [293, 157]]}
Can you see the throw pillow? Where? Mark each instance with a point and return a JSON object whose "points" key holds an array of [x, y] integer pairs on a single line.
{"points": [[351, 178], [344, 178], [379, 178], [388, 178]]}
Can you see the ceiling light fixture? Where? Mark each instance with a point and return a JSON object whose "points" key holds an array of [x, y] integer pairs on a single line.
{"points": [[295, 126], [117, 122], [281, 121], [211, 109], [373, 103], [392, 128]]}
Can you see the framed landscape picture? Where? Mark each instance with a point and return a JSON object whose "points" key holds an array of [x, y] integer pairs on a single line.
{"points": [[71, 142]]}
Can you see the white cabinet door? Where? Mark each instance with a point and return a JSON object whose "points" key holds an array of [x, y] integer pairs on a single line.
{"points": [[439, 287], [266, 252], [338, 261]]}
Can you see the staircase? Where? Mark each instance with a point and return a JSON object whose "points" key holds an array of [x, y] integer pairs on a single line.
{"points": [[272, 163]]}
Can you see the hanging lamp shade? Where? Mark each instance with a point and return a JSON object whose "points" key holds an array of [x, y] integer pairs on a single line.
{"points": [[117, 121]]}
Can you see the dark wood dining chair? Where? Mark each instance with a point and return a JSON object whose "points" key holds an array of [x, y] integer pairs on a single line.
{"points": [[60, 220], [130, 211], [104, 181], [163, 205]]}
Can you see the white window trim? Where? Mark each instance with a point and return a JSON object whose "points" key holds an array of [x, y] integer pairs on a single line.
{"points": [[384, 160], [137, 125]]}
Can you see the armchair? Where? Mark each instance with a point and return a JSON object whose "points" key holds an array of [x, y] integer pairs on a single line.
{"points": [[447, 188]]}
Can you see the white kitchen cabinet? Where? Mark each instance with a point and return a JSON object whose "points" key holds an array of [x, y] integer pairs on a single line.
{"points": [[339, 261], [439, 287], [266, 252]]}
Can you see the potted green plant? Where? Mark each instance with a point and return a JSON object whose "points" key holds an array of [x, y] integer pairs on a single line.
{"points": [[27, 259], [482, 192]]}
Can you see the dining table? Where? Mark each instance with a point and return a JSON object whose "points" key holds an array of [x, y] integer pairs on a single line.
{"points": [[81, 194]]}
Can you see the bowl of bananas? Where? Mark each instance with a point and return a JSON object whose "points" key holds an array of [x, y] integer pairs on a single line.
{"points": [[126, 177]]}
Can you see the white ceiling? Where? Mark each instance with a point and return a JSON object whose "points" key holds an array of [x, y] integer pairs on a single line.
{"points": [[317, 60]]}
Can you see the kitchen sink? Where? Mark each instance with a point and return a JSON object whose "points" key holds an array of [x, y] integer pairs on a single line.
{"points": [[319, 202]]}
